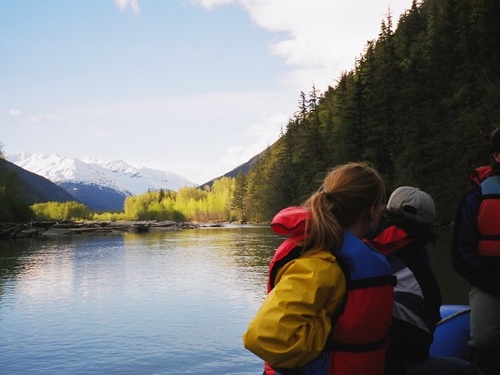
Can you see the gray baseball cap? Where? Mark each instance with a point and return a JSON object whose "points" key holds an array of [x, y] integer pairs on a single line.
{"points": [[412, 203]]}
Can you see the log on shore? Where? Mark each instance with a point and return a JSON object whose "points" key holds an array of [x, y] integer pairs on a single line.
{"points": [[19, 231], [48, 228]]}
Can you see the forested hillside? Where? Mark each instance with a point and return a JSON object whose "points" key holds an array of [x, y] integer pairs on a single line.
{"points": [[419, 105], [12, 206]]}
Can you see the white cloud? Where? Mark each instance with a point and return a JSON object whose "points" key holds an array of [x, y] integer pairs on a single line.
{"points": [[321, 38], [268, 129], [210, 4], [128, 5], [14, 112], [200, 136], [47, 117], [101, 133], [262, 133], [220, 107]]}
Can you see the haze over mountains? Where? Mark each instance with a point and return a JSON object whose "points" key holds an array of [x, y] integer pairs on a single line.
{"points": [[100, 185]]}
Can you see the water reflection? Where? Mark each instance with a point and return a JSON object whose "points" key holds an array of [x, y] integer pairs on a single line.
{"points": [[166, 302], [133, 303]]}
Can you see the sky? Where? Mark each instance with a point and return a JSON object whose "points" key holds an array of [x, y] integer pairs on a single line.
{"points": [[193, 87]]}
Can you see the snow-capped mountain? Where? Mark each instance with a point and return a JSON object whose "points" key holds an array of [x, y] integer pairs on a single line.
{"points": [[116, 174], [101, 185]]}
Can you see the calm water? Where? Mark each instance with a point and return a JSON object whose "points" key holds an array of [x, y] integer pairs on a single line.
{"points": [[155, 303]]}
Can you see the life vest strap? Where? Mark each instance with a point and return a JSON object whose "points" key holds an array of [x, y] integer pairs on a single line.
{"points": [[288, 371], [490, 196], [373, 282], [489, 237], [356, 347]]}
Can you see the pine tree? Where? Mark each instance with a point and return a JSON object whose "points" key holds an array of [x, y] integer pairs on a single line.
{"points": [[240, 192], [12, 207]]}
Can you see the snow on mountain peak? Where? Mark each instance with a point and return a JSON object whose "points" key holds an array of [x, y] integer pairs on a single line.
{"points": [[116, 174], [114, 165]]}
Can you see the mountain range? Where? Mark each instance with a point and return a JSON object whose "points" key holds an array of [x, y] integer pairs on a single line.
{"points": [[35, 188], [100, 185]]}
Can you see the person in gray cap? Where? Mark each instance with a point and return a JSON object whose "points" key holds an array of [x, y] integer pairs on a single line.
{"points": [[402, 236], [476, 257]]}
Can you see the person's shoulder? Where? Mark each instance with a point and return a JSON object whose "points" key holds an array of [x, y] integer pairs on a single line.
{"points": [[473, 196], [319, 265], [318, 255], [317, 260]]}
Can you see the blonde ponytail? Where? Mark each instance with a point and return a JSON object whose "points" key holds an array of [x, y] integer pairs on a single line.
{"points": [[348, 191]]}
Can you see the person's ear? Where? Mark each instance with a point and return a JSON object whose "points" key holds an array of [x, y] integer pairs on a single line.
{"points": [[373, 212], [496, 157]]}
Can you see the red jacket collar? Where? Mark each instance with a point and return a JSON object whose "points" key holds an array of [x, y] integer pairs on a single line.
{"points": [[480, 174], [291, 221], [390, 239]]}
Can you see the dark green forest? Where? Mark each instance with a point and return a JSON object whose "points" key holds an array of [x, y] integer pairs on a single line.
{"points": [[12, 206], [419, 105]]}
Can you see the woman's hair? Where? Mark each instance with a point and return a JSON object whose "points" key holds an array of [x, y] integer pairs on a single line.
{"points": [[347, 192]]}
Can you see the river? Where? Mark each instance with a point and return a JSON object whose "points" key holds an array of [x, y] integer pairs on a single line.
{"points": [[165, 302]]}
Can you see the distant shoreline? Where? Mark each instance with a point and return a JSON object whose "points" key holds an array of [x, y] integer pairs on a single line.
{"points": [[36, 229]]}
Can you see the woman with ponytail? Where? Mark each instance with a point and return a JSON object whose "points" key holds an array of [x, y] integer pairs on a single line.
{"points": [[330, 296]]}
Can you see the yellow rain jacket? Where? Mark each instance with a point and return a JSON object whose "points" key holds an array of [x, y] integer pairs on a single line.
{"points": [[293, 323]]}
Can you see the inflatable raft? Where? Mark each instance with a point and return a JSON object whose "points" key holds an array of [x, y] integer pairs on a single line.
{"points": [[452, 332]]}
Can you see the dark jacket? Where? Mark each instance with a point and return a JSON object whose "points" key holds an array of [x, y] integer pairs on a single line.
{"points": [[481, 272], [417, 305]]}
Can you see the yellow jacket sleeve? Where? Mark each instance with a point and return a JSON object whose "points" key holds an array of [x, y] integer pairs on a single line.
{"points": [[293, 323]]}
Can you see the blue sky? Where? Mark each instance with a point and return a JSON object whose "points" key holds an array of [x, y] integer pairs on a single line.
{"points": [[194, 87]]}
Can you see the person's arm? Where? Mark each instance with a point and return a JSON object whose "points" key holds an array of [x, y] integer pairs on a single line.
{"points": [[293, 323], [465, 260]]}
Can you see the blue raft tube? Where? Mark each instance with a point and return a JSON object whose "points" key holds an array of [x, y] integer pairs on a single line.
{"points": [[452, 332]]}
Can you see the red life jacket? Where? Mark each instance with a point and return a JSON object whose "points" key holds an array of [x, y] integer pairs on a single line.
{"points": [[488, 218], [488, 223], [358, 339]]}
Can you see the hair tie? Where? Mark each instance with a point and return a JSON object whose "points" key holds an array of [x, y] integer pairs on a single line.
{"points": [[328, 195]]}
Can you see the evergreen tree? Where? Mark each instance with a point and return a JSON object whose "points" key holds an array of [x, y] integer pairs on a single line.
{"points": [[240, 191], [12, 208]]}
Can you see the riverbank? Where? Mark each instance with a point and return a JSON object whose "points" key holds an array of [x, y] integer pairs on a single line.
{"points": [[53, 228]]}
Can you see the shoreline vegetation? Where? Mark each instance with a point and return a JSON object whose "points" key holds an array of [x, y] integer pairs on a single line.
{"points": [[45, 229]]}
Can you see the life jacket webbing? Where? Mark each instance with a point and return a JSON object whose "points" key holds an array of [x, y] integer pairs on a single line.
{"points": [[372, 281], [490, 196], [356, 347], [489, 237]]}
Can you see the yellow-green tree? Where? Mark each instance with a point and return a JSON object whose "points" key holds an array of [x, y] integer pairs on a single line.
{"points": [[189, 203], [220, 198], [61, 211]]}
